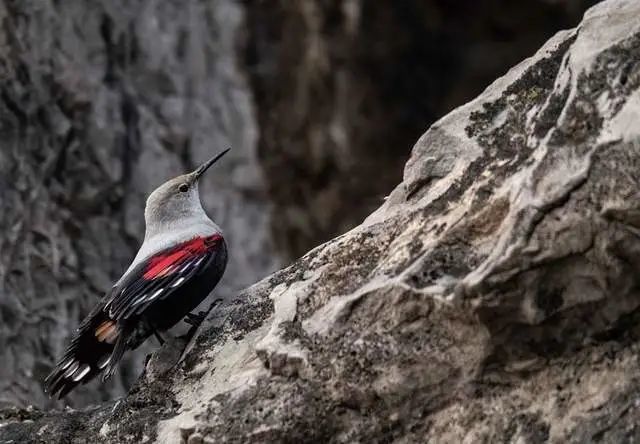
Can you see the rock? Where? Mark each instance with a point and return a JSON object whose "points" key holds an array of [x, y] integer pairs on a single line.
{"points": [[165, 357], [102, 101], [493, 297], [196, 438], [358, 82]]}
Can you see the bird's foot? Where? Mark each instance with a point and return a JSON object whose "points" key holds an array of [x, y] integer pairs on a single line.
{"points": [[158, 337], [194, 319]]}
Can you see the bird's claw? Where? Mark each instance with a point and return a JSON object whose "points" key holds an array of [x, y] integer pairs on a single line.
{"points": [[195, 319]]}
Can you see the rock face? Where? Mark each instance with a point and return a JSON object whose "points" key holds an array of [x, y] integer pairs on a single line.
{"points": [[492, 298], [338, 81], [101, 101]]}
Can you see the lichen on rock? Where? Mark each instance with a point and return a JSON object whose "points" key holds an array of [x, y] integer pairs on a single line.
{"points": [[492, 298]]}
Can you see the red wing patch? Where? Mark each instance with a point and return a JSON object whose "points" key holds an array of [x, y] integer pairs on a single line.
{"points": [[160, 276], [165, 264]]}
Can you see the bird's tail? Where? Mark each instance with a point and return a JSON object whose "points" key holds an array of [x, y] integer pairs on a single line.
{"points": [[97, 347]]}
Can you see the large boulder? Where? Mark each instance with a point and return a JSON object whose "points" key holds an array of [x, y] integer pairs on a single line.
{"points": [[492, 298]]}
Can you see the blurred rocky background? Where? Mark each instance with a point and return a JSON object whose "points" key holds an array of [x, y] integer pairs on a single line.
{"points": [[102, 100]]}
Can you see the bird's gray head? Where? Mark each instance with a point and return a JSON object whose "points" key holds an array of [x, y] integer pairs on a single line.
{"points": [[176, 202]]}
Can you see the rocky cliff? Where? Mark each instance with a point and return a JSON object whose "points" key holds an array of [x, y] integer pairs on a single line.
{"points": [[101, 101], [492, 298]]}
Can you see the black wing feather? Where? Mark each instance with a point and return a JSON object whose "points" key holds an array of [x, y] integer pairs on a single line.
{"points": [[139, 293]]}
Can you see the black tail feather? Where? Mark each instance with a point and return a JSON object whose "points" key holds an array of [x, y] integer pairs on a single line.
{"points": [[118, 351], [85, 358], [79, 368]]}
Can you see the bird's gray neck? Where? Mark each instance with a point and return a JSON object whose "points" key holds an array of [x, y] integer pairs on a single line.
{"points": [[195, 222], [175, 232], [163, 234]]}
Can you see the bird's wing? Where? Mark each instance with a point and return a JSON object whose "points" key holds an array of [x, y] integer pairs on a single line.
{"points": [[102, 337], [160, 276]]}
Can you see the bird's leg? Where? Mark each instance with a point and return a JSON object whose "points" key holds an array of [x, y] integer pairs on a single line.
{"points": [[194, 319], [158, 337]]}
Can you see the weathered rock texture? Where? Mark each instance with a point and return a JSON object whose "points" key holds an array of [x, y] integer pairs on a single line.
{"points": [[492, 298], [100, 103], [102, 100], [344, 88]]}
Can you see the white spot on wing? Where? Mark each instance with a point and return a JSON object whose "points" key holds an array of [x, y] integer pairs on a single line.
{"points": [[104, 361], [72, 369], [81, 372], [199, 261], [156, 294], [178, 282], [140, 300], [67, 364]]}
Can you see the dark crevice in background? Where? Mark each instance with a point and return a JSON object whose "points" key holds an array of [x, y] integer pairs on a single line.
{"points": [[345, 88]]}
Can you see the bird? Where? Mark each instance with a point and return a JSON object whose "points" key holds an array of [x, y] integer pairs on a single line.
{"points": [[181, 260]]}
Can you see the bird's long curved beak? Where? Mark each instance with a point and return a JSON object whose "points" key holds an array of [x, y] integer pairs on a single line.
{"points": [[205, 166]]}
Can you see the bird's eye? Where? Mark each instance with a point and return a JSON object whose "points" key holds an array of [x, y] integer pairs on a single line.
{"points": [[183, 188]]}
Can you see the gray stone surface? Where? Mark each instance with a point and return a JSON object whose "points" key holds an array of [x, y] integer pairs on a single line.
{"points": [[102, 100], [492, 298], [343, 89]]}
